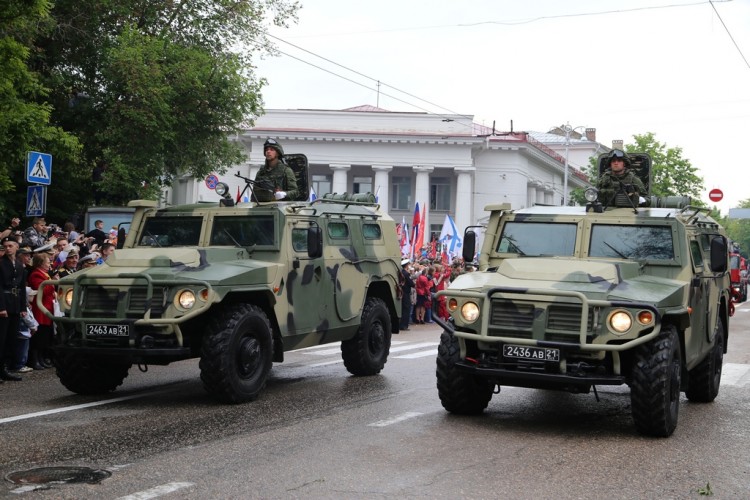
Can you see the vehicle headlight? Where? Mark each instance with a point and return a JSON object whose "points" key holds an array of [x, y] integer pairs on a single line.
{"points": [[221, 188], [470, 312], [68, 297], [186, 299], [620, 321], [591, 194]]}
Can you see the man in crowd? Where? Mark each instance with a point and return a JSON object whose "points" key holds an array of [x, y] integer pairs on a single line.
{"points": [[36, 235], [12, 302]]}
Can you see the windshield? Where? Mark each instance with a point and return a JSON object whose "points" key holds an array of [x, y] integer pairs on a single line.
{"points": [[537, 238], [734, 261], [171, 232], [244, 231], [632, 242]]}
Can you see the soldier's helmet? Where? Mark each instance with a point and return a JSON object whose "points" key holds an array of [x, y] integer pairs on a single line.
{"points": [[273, 143], [620, 155]]}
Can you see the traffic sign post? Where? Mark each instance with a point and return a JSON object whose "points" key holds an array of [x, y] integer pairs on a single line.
{"points": [[36, 201], [211, 181], [39, 168], [715, 195]]}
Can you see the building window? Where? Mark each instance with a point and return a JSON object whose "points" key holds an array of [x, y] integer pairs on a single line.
{"points": [[362, 185], [321, 184], [440, 193], [401, 193]]}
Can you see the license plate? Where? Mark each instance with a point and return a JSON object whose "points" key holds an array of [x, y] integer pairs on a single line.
{"points": [[532, 353], [108, 330]]}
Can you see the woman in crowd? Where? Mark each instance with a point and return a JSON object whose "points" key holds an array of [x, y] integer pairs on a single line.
{"points": [[42, 339]]}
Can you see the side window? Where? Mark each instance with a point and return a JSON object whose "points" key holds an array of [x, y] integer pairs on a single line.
{"points": [[697, 255], [299, 239], [371, 231], [338, 230]]}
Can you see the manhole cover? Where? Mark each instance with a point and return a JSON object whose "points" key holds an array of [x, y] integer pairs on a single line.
{"points": [[45, 475]]}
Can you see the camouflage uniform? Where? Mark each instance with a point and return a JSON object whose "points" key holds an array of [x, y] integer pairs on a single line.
{"points": [[281, 177], [610, 185]]}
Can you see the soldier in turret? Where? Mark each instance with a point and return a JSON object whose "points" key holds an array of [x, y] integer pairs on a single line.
{"points": [[618, 179], [275, 173]]}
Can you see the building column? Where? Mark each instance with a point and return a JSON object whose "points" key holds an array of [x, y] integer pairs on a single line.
{"points": [[340, 177], [381, 185], [422, 193], [464, 198]]}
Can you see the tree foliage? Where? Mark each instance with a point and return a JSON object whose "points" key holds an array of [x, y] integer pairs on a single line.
{"points": [[150, 90], [738, 230], [24, 114], [671, 174]]}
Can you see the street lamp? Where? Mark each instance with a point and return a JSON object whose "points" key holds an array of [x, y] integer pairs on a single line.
{"points": [[568, 130]]}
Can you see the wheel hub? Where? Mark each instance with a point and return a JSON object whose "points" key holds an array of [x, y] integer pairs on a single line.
{"points": [[248, 356]]}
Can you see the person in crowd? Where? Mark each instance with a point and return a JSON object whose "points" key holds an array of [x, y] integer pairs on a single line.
{"points": [[275, 173], [41, 341], [407, 284], [61, 250], [423, 289], [90, 260], [106, 250], [97, 233], [70, 229], [442, 280], [428, 302], [70, 264], [35, 235], [26, 328], [12, 228], [12, 303]]}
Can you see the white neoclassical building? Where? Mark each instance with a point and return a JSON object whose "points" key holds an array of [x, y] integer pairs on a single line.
{"points": [[446, 163]]}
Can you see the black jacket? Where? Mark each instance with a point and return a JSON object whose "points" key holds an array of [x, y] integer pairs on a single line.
{"points": [[12, 286]]}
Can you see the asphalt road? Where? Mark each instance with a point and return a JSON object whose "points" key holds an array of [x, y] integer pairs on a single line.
{"points": [[319, 433]]}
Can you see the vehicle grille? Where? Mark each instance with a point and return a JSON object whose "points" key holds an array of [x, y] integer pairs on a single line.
{"points": [[116, 302], [554, 322]]}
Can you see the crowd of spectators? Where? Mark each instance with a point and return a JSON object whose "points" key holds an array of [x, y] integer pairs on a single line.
{"points": [[29, 257], [420, 281]]}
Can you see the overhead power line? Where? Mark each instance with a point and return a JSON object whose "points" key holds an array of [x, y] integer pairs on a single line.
{"points": [[728, 33]]}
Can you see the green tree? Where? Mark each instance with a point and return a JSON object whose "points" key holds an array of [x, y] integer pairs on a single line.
{"points": [[24, 114], [671, 174], [154, 90], [738, 230]]}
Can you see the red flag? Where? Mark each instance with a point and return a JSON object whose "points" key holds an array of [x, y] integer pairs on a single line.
{"points": [[238, 194], [415, 231], [433, 249]]}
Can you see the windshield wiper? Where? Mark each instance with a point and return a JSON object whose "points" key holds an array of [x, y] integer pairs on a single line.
{"points": [[616, 251], [154, 241], [250, 249]]}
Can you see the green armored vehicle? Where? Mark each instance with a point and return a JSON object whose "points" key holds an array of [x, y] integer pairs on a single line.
{"points": [[236, 285], [570, 298]]}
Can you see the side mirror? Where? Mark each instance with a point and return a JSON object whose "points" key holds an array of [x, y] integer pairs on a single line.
{"points": [[469, 248], [314, 242], [719, 253]]}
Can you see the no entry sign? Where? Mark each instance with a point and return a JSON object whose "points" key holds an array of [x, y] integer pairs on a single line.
{"points": [[715, 195]]}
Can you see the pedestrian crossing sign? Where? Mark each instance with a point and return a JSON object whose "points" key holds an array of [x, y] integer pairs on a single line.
{"points": [[36, 201], [39, 168]]}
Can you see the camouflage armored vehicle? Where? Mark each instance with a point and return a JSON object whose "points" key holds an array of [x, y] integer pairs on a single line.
{"points": [[570, 298], [236, 286]]}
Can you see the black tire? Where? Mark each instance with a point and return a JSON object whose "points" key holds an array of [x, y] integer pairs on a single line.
{"points": [[367, 352], [655, 386], [459, 392], [705, 379], [237, 353], [86, 376]]}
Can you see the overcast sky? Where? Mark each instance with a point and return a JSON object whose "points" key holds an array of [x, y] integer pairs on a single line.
{"points": [[624, 67]]}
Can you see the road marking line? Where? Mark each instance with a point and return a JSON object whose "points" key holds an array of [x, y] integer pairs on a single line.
{"points": [[395, 420], [733, 373], [420, 354], [418, 345], [326, 352], [76, 407], [157, 491]]}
